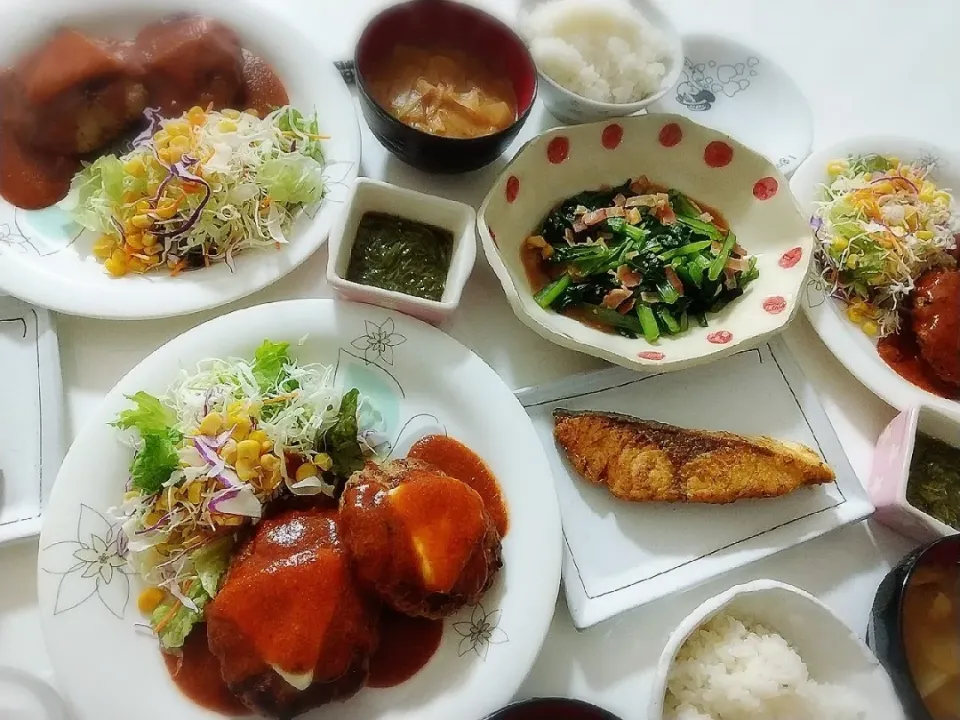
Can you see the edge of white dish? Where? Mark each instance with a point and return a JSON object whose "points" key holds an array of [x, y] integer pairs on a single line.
{"points": [[786, 81], [368, 195], [825, 642]]}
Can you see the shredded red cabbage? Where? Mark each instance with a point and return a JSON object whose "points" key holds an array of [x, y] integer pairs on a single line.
{"points": [[153, 117]]}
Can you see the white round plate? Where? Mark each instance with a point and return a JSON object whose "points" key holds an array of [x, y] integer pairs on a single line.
{"points": [[734, 89], [44, 257], [106, 667], [853, 348]]}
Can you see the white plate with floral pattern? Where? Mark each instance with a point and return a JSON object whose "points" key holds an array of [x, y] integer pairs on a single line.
{"points": [[673, 151], [48, 260], [107, 669]]}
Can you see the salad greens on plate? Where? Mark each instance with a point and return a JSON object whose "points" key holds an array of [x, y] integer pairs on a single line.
{"points": [[211, 452]]}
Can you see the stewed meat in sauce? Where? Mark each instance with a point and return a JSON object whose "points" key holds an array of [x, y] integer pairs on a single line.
{"points": [[191, 61], [74, 94], [421, 539], [936, 322], [290, 626]]}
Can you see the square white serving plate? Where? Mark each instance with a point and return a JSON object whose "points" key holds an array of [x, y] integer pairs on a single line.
{"points": [[620, 555], [31, 424]]}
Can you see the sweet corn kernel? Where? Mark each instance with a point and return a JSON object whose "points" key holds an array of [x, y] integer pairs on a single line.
{"points": [[231, 113], [196, 115], [252, 111], [161, 137], [246, 470], [870, 327], [174, 154], [307, 470], [226, 126], [115, 268], [135, 241], [152, 518], [166, 211], [266, 446], [241, 427], [103, 246], [840, 244], [837, 167], [248, 450], [269, 462], [258, 436], [180, 142], [143, 205], [150, 239], [852, 260], [893, 161], [942, 198], [136, 265], [270, 480], [177, 128], [134, 166], [130, 196], [141, 222], [154, 249], [194, 493], [924, 235], [228, 520], [150, 260], [211, 424], [236, 407], [150, 599], [229, 452], [323, 461]]}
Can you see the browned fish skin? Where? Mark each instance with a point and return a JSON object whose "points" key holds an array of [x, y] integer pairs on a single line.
{"points": [[645, 461]]}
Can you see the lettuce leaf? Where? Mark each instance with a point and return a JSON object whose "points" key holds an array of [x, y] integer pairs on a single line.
{"points": [[155, 460], [269, 362], [340, 441], [292, 179], [94, 193], [173, 621], [148, 415]]}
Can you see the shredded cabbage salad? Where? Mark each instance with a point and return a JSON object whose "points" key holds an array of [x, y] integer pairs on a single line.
{"points": [[199, 189], [880, 225], [211, 452]]}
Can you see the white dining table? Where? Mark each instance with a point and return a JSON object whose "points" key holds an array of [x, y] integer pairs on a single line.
{"points": [[866, 67]]}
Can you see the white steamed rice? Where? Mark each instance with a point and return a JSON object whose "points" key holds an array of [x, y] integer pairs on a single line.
{"points": [[603, 50], [731, 670]]}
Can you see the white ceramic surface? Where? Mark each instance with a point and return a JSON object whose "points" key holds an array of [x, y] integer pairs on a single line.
{"points": [[89, 611], [890, 474], [853, 348], [31, 424], [772, 228], [735, 89], [572, 108], [44, 257], [831, 651], [375, 196], [619, 555]]}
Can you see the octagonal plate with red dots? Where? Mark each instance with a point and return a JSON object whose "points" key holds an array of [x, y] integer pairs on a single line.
{"points": [[670, 150]]}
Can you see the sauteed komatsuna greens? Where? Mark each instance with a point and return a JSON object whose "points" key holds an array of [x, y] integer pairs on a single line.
{"points": [[637, 259]]}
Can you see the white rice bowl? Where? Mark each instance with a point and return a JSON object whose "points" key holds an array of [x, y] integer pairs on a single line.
{"points": [[730, 669], [602, 50]]}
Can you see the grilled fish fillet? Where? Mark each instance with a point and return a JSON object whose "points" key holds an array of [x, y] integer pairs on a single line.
{"points": [[645, 461]]}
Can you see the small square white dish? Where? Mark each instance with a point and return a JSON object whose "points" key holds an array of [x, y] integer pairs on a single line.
{"points": [[368, 195], [31, 424], [891, 471], [620, 555]]}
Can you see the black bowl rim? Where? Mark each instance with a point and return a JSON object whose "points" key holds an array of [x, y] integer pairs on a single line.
{"points": [[451, 142], [532, 702], [910, 567]]}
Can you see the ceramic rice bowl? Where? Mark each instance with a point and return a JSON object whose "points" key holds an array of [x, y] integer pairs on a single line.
{"points": [[710, 167]]}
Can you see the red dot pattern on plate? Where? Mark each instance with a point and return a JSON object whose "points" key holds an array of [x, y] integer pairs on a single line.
{"points": [[611, 137], [775, 304], [670, 135], [720, 337], [718, 154], [513, 188], [765, 188], [558, 149], [651, 355], [790, 258]]}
